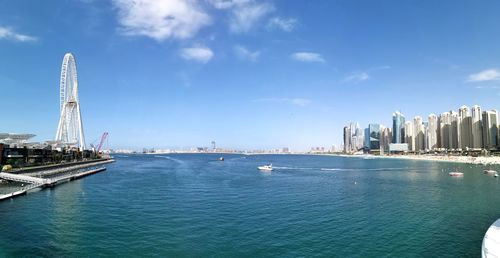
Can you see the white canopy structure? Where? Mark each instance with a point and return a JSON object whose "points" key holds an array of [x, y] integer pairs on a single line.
{"points": [[15, 138]]}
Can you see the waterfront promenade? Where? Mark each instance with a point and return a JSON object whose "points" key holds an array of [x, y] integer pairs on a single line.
{"points": [[51, 177]]}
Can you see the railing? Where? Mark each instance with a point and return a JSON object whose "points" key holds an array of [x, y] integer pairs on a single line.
{"points": [[35, 180], [22, 178]]}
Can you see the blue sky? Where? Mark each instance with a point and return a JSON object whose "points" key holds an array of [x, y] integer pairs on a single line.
{"points": [[246, 73]]}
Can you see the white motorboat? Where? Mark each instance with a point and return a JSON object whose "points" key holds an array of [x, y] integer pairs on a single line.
{"points": [[459, 174], [490, 171], [266, 167]]}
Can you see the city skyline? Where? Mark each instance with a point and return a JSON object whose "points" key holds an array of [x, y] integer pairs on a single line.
{"points": [[248, 74], [463, 131]]}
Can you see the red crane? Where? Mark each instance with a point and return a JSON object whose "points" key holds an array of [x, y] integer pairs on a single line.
{"points": [[103, 138]]}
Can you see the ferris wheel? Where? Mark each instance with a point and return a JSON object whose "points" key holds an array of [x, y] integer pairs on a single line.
{"points": [[70, 128]]}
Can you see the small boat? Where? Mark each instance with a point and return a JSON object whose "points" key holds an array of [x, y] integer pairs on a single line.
{"points": [[495, 175], [456, 173], [221, 159], [266, 167], [490, 171]]}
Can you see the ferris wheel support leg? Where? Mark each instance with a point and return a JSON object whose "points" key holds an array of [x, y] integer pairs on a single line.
{"points": [[61, 124], [80, 128]]}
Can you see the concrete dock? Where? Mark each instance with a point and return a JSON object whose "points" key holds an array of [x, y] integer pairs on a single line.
{"points": [[37, 180]]}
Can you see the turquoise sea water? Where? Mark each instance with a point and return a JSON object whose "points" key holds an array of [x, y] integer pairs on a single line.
{"points": [[193, 205]]}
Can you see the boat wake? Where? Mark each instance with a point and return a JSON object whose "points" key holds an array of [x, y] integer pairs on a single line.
{"points": [[292, 168], [170, 158], [337, 169]]}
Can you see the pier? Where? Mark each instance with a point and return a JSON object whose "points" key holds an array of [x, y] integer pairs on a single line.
{"points": [[59, 175], [23, 178]]}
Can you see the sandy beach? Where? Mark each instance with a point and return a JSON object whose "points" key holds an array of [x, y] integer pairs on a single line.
{"points": [[438, 158]]}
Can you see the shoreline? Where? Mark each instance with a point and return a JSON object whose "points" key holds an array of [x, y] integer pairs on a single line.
{"points": [[485, 161], [449, 159]]}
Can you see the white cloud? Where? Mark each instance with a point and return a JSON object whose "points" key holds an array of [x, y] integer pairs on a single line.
{"points": [[361, 76], [282, 23], [226, 4], [161, 19], [376, 68], [245, 54], [487, 87], [8, 33], [301, 102], [200, 54], [486, 75], [307, 57], [244, 14], [357, 77]]}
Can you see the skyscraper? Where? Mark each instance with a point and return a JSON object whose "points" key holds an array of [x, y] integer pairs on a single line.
{"points": [[353, 138], [419, 133], [490, 129], [477, 127], [366, 143], [432, 132], [426, 135], [398, 121], [409, 136], [347, 139], [385, 137], [438, 133], [454, 131], [444, 127], [374, 134], [464, 128], [359, 137]]}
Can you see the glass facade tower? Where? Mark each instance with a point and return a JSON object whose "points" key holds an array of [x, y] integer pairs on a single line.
{"points": [[374, 132], [398, 121]]}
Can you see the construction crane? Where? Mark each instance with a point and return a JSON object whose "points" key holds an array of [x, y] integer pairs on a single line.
{"points": [[99, 147], [103, 138]]}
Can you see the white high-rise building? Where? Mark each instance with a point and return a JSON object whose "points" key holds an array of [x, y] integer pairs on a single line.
{"points": [[464, 130], [357, 137], [347, 139], [360, 137], [419, 133], [477, 128], [454, 130], [432, 132], [444, 127], [409, 138], [353, 138]]}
